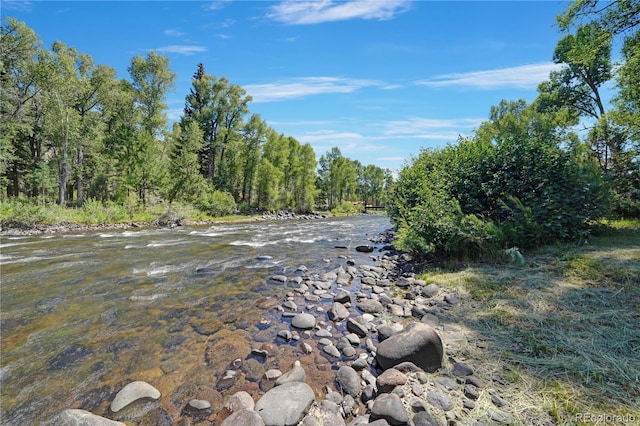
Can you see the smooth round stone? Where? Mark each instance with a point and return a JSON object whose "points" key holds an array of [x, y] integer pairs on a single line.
{"points": [[132, 392], [323, 333], [332, 350], [272, 374], [200, 404], [240, 401], [303, 321]]}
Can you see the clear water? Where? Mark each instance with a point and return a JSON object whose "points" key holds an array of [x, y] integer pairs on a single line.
{"points": [[83, 313]]}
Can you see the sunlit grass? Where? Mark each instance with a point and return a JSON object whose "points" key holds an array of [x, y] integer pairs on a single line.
{"points": [[564, 326]]}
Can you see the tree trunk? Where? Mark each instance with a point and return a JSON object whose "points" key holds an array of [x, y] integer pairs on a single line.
{"points": [[79, 186], [62, 180], [16, 189]]}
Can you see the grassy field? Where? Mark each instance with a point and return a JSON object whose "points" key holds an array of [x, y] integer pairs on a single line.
{"points": [[563, 328]]}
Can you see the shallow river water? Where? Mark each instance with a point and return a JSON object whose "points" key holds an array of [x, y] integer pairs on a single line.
{"points": [[84, 314]]}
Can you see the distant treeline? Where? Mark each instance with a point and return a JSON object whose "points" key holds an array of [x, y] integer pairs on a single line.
{"points": [[72, 131]]}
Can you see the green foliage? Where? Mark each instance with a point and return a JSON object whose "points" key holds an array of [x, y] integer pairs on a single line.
{"points": [[216, 203], [499, 189], [346, 208], [96, 212], [19, 212]]}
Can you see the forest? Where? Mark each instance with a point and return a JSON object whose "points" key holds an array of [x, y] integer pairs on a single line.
{"points": [[74, 134], [533, 173], [539, 172]]}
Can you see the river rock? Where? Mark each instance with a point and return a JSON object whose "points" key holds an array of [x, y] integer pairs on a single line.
{"points": [[286, 404], [342, 296], [199, 404], [303, 321], [357, 328], [75, 417], [440, 400], [389, 379], [364, 249], [385, 331], [337, 312], [244, 418], [418, 343], [325, 413], [423, 418], [296, 374], [461, 370], [389, 407], [349, 381], [132, 392], [240, 401], [370, 306], [279, 278]]}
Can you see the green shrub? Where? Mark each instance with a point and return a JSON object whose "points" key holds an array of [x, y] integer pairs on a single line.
{"points": [[493, 192], [216, 203], [347, 207], [21, 212]]}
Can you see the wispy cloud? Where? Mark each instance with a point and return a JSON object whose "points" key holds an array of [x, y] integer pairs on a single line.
{"points": [[182, 49], [306, 86], [18, 5], [522, 77], [330, 135], [174, 32], [216, 5], [430, 128], [303, 12]]}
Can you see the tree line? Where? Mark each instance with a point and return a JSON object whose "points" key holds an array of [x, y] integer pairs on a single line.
{"points": [[71, 131], [538, 172]]}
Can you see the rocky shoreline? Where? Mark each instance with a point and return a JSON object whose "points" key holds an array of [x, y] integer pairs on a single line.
{"points": [[165, 222], [374, 328]]}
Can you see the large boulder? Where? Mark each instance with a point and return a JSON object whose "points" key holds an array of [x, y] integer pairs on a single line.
{"points": [[418, 343], [286, 404]]}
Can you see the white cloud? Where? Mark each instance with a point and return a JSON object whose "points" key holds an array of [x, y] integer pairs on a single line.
{"points": [[303, 12], [430, 128], [523, 77], [330, 135], [173, 32], [182, 49], [18, 5], [305, 86], [216, 5]]}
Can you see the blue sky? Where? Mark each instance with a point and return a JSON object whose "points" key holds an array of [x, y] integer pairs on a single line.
{"points": [[379, 79]]}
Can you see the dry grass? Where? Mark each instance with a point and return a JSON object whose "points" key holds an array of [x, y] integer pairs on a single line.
{"points": [[564, 329]]}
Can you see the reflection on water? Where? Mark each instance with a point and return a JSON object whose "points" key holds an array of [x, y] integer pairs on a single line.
{"points": [[84, 313]]}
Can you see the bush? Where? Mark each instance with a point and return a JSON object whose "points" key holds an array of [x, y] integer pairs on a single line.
{"points": [[95, 212], [216, 203], [347, 207], [19, 212], [483, 196]]}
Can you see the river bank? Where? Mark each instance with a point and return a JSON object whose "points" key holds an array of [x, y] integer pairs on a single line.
{"points": [[512, 342], [165, 222], [320, 358]]}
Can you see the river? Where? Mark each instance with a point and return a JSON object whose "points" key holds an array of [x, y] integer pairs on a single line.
{"points": [[83, 314]]}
